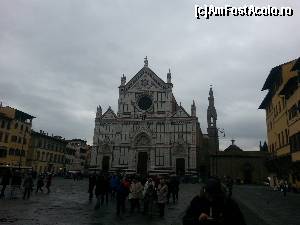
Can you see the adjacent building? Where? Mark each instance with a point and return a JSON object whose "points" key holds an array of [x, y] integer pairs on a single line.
{"points": [[242, 166], [282, 106], [47, 152], [15, 133]]}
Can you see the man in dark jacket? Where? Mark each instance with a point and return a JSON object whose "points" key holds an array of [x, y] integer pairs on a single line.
{"points": [[92, 183], [40, 184], [28, 184], [100, 191], [5, 182], [122, 192], [213, 207]]}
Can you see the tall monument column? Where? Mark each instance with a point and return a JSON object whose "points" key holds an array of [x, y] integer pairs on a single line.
{"points": [[212, 132]]}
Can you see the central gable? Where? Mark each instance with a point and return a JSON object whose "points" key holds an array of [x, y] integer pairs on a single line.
{"points": [[145, 79], [109, 114], [180, 113]]}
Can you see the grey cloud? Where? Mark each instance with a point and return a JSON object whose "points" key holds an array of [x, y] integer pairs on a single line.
{"points": [[60, 59]]}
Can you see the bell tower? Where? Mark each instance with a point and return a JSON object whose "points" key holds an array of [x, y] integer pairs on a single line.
{"points": [[212, 129], [211, 115]]}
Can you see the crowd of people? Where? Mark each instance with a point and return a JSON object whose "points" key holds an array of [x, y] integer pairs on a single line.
{"points": [[149, 194], [18, 181]]}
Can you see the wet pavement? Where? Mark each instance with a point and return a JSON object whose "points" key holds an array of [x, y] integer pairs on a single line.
{"points": [[68, 204], [264, 206]]}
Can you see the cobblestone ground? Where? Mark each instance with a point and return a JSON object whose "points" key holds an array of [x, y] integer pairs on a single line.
{"points": [[68, 204]]}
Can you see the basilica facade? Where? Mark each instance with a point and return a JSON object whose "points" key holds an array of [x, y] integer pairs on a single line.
{"points": [[150, 133]]}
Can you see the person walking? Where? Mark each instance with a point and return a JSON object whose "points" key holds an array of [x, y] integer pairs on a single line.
{"points": [[40, 184], [122, 192], [5, 181], [106, 188], [114, 183], [285, 187], [28, 184], [174, 188], [229, 185], [162, 197], [136, 190], [99, 191], [92, 183], [149, 196], [213, 206], [49, 183], [16, 182]]}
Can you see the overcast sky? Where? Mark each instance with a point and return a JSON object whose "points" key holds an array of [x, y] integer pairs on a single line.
{"points": [[60, 59]]}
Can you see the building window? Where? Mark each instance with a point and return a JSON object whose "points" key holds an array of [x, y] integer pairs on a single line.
{"points": [[3, 153], [282, 137], [6, 138], [2, 124], [293, 111], [11, 151], [16, 125], [14, 138], [38, 155], [40, 143], [295, 142], [8, 126], [1, 135], [159, 157], [24, 141], [123, 156]]}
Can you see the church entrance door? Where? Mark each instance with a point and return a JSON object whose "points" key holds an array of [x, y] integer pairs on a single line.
{"points": [[248, 169], [142, 163], [105, 163], [180, 166]]}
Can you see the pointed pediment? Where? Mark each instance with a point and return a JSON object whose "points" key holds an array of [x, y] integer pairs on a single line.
{"points": [[109, 114], [180, 113], [145, 79]]}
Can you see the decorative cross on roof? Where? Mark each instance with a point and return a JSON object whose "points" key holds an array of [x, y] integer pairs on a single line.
{"points": [[146, 62]]}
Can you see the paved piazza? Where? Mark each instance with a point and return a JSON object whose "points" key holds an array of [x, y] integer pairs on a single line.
{"points": [[68, 204]]}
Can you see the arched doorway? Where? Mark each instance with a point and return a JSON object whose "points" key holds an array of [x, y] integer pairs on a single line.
{"points": [[142, 168], [180, 166], [105, 163], [142, 144]]}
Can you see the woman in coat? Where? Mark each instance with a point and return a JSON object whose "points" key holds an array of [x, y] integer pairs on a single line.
{"points": [[162, 196], [136, 193]]}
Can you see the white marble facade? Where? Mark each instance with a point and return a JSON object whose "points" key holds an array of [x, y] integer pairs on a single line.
{"points": [[150, 133]]}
